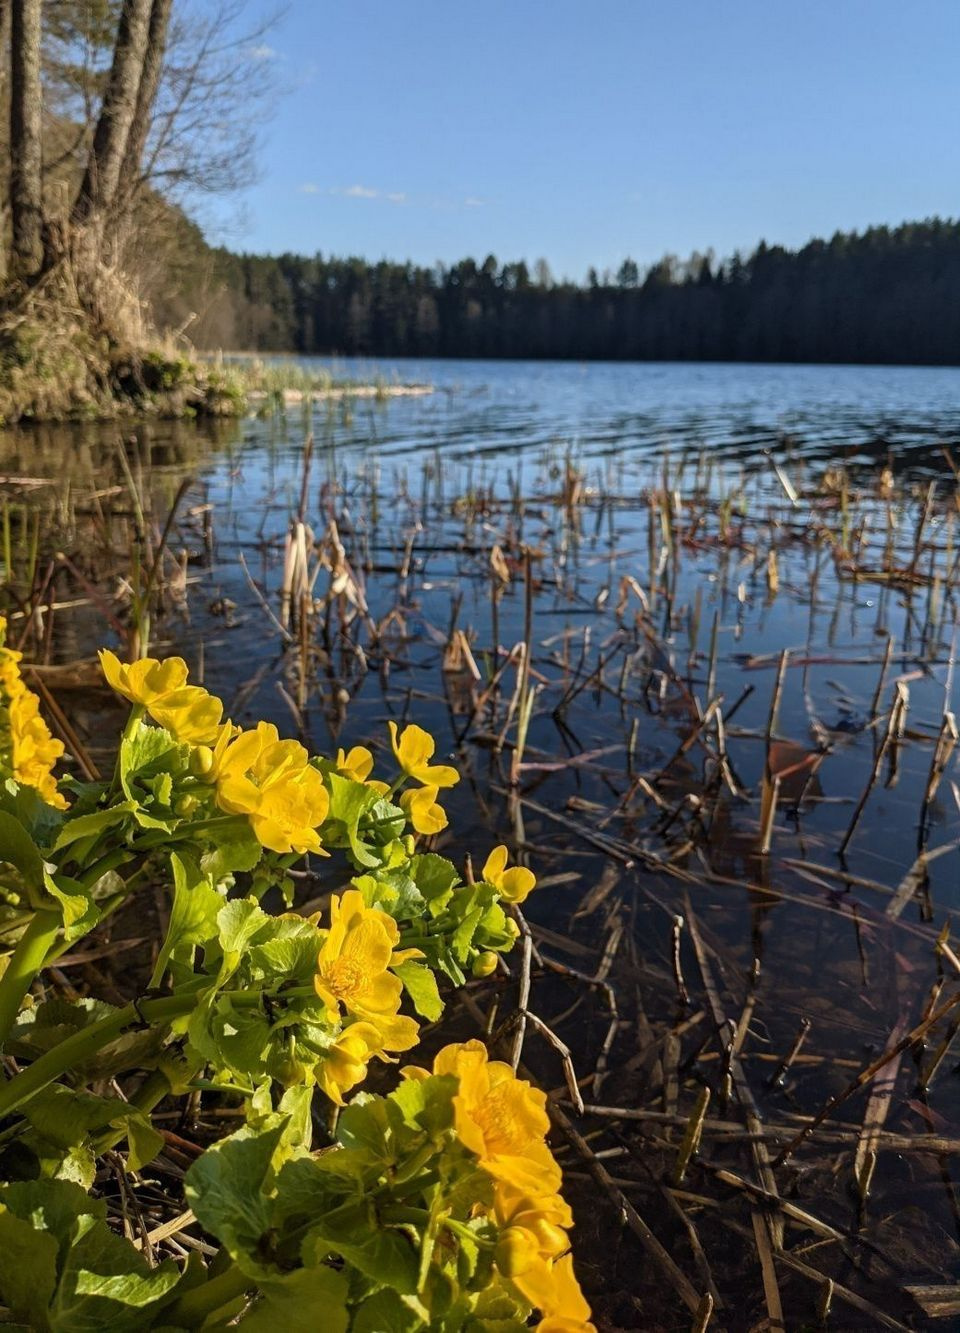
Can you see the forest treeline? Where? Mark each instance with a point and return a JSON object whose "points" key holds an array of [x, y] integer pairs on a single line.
{"points": [[882, 295]]}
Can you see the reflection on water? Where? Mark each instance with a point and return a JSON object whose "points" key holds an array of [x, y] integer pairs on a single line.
{"points": [[650, 509]]}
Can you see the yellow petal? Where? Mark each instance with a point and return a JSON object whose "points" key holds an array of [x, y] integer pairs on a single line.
{"points": [[495, 865], [516, 884]]}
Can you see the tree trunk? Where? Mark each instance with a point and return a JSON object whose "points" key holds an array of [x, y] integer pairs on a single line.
{"points": [[101, 181], [146, 94], [26, 144]]}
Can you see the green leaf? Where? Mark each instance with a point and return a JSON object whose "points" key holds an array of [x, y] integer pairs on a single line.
{"points": [[435, 876], [65, 1116], [18, 848], [84, 826], [421, 985], [28, 1268], [237, 850], [394, 892], [349, 802], [385, 1312], [289, 954], [80, 911], [385, 1256], [426, 1104], [107, 1286], [193, 917], [41, 821], [143, 754], [238, 922], [367, 1125], [64, 1269], [227, 1189], [464, 933], [303, 1301]]}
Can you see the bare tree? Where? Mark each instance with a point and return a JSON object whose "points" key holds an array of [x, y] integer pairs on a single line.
{"points": [[26, 138], [217, 86]]}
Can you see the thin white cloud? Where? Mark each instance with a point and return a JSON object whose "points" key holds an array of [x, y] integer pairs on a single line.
{"points": [[262, 52], [308, 187], [368, 192], [472, 202]]}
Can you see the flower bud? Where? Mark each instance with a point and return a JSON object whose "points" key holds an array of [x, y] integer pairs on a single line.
{"points": [[511, 928], [516, 1251], [201, 761], [484, 964], [185, 805]]}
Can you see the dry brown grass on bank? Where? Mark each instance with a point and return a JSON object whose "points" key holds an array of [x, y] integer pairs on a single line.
{"points": [[81, 349]]}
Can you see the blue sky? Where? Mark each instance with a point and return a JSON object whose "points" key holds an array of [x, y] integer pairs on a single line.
{"points": [[587, 130]]}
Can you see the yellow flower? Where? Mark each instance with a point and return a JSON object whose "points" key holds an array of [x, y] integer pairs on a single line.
{"points": [[356, 764], [499, 1117], [189, 712], [353, 970], [414, 750], [558, 1296], [191, 715], [271, 782], [532, 1253], [514, 884], [34, 750], [546, 1218], [345, 1064], [28, 752], [422, 810], [144, 681]]}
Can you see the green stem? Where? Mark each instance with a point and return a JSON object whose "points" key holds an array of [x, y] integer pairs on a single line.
{"points": [[196, 1306], [106, 863], [26, 961], [133, 721]]}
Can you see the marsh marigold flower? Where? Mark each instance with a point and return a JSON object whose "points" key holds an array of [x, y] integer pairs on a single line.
{"points": [[514, 884], [353, 970], [272, 783], [533, 1255], [413, 749], [189, 712], [145, 681], [356, 764], [559, 1298], [345, 1064], [499, 1117], [421, 808], [28, 752]]}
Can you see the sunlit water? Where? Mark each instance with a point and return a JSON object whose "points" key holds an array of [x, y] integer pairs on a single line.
{"points": [[431, 483]]}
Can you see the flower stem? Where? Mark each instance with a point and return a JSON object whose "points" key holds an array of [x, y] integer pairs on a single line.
{"points": [[26, 961]]}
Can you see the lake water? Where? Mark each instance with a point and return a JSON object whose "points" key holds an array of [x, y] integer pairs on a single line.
{"points": [[649, 499]]}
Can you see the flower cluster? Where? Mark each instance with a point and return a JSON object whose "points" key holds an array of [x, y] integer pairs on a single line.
{"points": [[28, 752], [439, 1203], [413, 749], [272, 783], [503, 1120]]}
